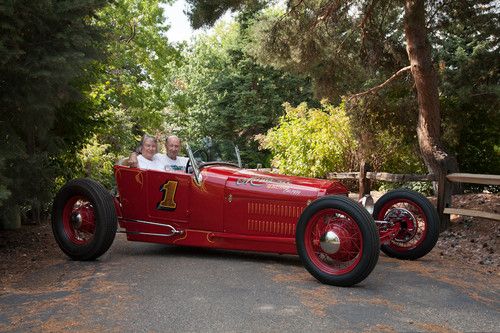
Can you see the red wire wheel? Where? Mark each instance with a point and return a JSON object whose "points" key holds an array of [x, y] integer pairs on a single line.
{"points": [[333, 241], [84, 219], [79, 220], [417, 218], [337, 241]]}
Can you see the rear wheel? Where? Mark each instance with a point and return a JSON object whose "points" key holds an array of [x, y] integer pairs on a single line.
{"points": [[337, 241], [84, 219], [418, 220]]}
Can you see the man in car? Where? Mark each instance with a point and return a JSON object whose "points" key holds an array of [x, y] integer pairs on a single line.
{"points": [[171, 161]]}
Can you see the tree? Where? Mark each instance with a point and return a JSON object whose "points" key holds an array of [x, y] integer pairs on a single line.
{"points": [[223, 93], [207, 12], [311, 142], [326, 45], [467, 39], [44, 48], [130, 87], [79, 80], [436, 158]]}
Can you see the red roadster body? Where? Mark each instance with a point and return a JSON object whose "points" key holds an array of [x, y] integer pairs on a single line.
{"points": [[221, 205], [230, 208]]}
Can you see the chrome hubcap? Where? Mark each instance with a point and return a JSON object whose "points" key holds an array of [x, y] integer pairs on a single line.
{"points": [[406, 219], [330, 242], [76, 220]]}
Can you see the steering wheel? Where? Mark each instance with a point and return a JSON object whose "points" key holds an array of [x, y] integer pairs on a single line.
{"points": [[188, 165], [201, 155]]}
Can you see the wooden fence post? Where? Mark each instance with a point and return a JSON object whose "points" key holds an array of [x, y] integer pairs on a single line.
{"points": [[443, 200], [364, 182]]}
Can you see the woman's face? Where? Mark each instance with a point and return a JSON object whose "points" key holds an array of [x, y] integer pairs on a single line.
{"points": [[148, 148]]}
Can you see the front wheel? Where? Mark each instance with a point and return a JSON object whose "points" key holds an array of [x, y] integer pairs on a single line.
{"points": [[84, 219], [418, 219], [337, 241]]}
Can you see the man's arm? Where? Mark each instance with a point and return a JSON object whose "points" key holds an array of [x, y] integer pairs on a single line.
{"points": [[132, 160]]}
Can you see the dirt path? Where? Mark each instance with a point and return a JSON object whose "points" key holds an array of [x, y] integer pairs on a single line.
{"points": [[473, 241], [149, 287]]}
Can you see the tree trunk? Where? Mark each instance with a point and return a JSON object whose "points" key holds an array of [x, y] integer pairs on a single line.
{"points": [[437, 160]]}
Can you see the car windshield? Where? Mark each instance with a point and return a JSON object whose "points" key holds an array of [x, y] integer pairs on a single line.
{"points": [[208, 151]]}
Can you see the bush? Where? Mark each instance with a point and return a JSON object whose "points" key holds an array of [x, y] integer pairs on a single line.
{"points": [[422, 187], [97, 162], [311, 142]]}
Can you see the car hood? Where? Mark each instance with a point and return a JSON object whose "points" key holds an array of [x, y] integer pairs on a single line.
{"points": [[279, 186]]}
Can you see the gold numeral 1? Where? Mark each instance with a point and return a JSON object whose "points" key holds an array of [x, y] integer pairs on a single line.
{"points": [[168, 190]]}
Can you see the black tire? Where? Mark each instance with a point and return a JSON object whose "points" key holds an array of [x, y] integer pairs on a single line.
{"points": [[345, 218], [91, 238], [415, 239]]}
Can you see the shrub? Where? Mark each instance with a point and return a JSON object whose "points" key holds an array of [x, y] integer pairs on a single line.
{"points": [[311, 142]]}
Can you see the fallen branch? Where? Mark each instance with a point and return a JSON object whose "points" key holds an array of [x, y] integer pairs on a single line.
{"points": [[382, 85]]}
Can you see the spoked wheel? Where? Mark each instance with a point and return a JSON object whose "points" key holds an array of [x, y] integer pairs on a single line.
{"points": [[79, 220], [337, 241], [83, 219], [418, 219]]}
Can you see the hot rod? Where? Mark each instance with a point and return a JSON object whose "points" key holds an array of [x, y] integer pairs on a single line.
{"points": [[217, 204]]}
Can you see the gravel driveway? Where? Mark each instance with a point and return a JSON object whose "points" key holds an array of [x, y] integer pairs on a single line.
{"points": [[138, 287]]}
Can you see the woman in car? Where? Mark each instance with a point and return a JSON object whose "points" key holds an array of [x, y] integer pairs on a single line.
{"points": [[163, 162], [149, 157]]}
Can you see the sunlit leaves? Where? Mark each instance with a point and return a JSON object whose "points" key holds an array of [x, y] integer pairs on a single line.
{"points": [[312, 142]]}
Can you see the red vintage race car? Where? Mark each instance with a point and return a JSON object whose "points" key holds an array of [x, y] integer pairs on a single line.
{"points": [[217, 204]]}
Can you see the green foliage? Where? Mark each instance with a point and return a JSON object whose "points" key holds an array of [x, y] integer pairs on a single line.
{"points": [[422, 187], [312, 142], [130, 87], [331, 54], [98, 161], [469, 68], [385, 125], [206, 12], [79, 82], [44, 48], [223, 93], [350, 46], [136, 75], [392, 153]]}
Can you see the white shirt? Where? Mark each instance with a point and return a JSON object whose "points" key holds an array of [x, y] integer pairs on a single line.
{"points": [[179, 164], [157, 163]]}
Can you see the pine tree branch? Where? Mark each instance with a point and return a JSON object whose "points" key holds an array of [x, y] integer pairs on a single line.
{"points": [[325, 13], [368, 15], [293, 7], [382, 85], [364, 21]]}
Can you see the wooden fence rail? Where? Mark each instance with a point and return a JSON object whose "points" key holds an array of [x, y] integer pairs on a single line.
{"points": [[474, 179], [445, 183]]}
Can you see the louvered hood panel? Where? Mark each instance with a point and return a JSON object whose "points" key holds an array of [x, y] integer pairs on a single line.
{"points": [[258, 203]]}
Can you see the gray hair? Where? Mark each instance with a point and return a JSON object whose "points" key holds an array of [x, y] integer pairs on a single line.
{"points": [[144, 138], [172, 136]]}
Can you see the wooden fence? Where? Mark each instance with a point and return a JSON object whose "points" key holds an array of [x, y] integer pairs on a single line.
{"points": [[444, 183]]}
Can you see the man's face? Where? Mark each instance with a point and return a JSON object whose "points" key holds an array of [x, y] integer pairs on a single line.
{"points": [[173, 145]]}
